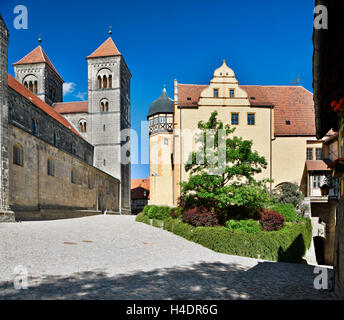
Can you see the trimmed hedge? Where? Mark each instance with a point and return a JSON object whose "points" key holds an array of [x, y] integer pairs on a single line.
{"points": [[287, 210], [288, 245]]}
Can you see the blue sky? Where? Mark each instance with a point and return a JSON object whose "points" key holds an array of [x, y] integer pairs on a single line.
{"points": [[265, 42]]}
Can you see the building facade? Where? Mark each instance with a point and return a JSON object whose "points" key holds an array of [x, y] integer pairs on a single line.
{"points": [[48, 168], [139, 194]]}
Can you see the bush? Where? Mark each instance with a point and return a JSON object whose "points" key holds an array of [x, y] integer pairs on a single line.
{"points": [[249, 226], [288, 245], [141, 217], [286, 210], [271, 221], [157, 212], [176, 213], [200, 217]]}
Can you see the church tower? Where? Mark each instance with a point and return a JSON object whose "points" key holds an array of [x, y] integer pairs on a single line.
{"points": [[160, 118], [109, 115], [5, 213], [36, 73]]}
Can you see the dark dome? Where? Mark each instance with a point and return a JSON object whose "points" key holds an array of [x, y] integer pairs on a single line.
{"points": [[162, 105]]}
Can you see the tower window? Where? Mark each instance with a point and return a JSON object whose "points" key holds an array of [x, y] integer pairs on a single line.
{"points": [[104, 128], [231, 93], [104, 105], [318, 153], [99, 82], [18, 155], [104, 163], [104, 82], [110, 81], [166, 141], [216, 93], [162, 119], [35, 87], [83, 126]]}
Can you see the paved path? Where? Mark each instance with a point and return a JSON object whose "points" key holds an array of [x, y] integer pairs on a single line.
{"points": [[114, 257]]}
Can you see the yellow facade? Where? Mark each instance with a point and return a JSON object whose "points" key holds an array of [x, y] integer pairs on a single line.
{"points": [[285, 155]]}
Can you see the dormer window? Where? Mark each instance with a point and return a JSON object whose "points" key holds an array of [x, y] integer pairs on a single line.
{"points": [[188, 98], [216, 93], [287, 122]]}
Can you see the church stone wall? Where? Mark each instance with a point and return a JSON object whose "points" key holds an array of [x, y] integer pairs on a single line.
{"points": [[36, 195]]}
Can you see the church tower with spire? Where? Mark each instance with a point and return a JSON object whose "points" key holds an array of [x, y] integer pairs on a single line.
{"points": [[109, 115], [37, 74]]}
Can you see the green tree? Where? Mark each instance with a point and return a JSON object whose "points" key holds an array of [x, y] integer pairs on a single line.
{"points": [[223, 179]]}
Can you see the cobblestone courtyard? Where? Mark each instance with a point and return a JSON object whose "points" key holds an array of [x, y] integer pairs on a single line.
{"points": [[114, 257]]}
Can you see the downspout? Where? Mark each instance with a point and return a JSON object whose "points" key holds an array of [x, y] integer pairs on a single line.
{"points": [[271, 140]]}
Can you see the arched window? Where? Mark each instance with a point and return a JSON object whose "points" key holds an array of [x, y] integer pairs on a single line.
{"points": [[55, 139], [99, 82], [83, 125], [31, 86], [18, 154], [110, 81], [51, 167], [33, 126], [26, 85], [104, 82], [35, 87], [104, 105], [73, 176], [104, 77]]}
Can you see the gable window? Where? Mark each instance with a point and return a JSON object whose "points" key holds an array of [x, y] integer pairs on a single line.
{"points": [[231, 93], [251, 119], [318, 153], [51, 167], [18, 154], [309, 154], [216, 93], [235, 118]]}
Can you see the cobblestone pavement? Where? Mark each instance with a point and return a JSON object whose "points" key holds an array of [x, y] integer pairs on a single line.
{"points": [[114, 257]]}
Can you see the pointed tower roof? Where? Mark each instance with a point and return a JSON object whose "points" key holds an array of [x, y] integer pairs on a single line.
{"points": [[37, 55], [107, 49]]}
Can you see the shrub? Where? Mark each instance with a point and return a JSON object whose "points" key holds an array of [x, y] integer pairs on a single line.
{"points": [[288, 245], [200, 217], [286, 210], [249, 226], [145, 209], [271, 221], [176, 213], [141, 217]]}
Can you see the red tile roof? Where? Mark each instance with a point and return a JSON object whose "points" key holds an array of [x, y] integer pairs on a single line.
{"points": [[316, 165], [71, 107], [144, 183], [291, 103], [37, 55], [107, 49], [19, 88]]}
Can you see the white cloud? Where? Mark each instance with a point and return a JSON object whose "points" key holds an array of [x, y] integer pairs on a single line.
{"points": [[68, 87], [81, 95]]}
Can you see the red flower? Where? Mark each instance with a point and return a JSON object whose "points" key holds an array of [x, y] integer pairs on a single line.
{"points": [[334, 103]]}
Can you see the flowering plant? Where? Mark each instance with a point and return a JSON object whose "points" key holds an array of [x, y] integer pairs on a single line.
{"points": [[337, 106], [337, 164]]}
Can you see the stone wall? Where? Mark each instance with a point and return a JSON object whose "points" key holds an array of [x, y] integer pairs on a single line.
{"points": [[339, 250], [35, 195]]}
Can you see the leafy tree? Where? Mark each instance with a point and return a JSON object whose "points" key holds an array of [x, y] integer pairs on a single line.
{"points": [[222, 183]]}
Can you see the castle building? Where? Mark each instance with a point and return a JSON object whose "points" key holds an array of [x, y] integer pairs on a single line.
{"points": [[278, 119], [61, 160]]}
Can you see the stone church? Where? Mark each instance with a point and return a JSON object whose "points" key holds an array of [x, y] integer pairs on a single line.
{"points": [[63, 159]]}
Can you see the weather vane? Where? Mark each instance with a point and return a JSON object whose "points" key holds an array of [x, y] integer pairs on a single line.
{"points": [[110, 31]]}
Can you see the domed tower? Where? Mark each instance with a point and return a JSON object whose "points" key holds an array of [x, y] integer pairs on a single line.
{"points": [[160, 117]]}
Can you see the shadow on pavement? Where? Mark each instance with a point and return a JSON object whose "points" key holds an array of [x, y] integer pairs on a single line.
{"points": [[267, 280]]}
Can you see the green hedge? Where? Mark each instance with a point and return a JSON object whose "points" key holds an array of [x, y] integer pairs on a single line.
{"points": [[287, 210], [288, 245]]}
